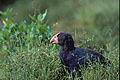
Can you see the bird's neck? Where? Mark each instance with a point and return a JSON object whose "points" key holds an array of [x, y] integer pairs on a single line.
{"points": [[67, 48]]}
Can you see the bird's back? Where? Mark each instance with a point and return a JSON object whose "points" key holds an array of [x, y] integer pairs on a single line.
{"points": [[80, 56], [84, 56]]}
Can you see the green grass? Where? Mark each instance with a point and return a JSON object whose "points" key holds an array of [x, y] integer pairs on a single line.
{"points": [[42, 63], [25, 53]]}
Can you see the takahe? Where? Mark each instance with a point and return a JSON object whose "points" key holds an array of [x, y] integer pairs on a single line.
{"points": [[72, 57]]}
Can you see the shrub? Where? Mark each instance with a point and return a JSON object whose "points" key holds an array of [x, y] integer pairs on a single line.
{"points": [[23, 34]]}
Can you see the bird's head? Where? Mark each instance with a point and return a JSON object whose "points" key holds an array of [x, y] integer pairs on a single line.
{"points": [[63, 39]]}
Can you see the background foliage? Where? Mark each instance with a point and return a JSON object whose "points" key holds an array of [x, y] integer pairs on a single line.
{"points": [[98, 18], [25, 52]]}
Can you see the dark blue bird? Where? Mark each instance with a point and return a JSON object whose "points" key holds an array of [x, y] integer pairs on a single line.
{"points": [[73, 57]]}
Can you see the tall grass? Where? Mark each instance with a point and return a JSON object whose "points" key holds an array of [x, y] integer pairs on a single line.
{"points": [[25, 53]]}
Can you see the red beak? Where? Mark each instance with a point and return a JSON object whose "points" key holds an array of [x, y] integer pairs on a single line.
{"points": [[54, 39]]}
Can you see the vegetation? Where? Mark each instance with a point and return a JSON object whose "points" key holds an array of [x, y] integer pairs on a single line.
{"points": [[25, 52], [98, 19]]}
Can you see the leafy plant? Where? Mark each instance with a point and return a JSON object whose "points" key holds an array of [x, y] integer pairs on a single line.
{"points": [[23, 34], [25, 53]]}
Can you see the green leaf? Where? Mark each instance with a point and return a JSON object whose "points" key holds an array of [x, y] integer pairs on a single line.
{"points": [[49, 31], [8, 12], [2, 13], [39, 17], [26, 23], [44, 15], [32, 17], [3, 52]]}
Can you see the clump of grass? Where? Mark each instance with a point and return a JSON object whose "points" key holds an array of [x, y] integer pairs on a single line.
{"points": [[25, 53]]}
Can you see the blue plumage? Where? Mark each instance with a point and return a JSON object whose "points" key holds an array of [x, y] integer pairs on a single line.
{"points": [[79, 56], [73, 57]]}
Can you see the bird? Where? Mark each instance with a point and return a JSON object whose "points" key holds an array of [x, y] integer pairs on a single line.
{"points": [[73, 57]]}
